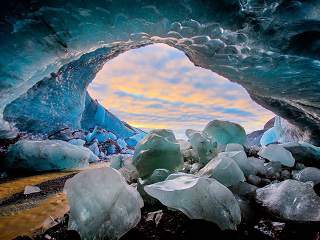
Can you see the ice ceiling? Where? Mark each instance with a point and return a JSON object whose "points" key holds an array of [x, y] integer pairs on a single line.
{"points": [[52, 50]]}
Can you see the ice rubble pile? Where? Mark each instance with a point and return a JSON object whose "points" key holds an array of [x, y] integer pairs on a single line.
{"points": [[223, 190], [67, 149]]}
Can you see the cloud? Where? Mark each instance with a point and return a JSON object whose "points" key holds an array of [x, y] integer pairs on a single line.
{"points": [[157, 86]]}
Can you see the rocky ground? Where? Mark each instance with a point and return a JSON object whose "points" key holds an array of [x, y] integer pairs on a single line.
{"points": [[176, 226], [276, 189]]}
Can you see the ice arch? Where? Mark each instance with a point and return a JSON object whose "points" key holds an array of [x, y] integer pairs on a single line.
{"points": [[255, 43]]}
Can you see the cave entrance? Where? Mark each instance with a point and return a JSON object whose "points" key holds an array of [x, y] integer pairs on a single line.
{"points": [[157, 86]]}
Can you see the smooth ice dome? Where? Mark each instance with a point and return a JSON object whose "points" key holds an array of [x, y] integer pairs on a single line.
{"points": [[48, 155], [102, 204], [224, 132], [198, 198], [277, 153], [290, 200], [308, 174], [159, 149], [223, 169]]}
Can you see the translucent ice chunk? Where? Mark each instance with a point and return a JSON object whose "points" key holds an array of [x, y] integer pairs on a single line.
{"points": [[48, 155], [205, 148], [223, 169], [77, 141], [122, 144], [308, 174], [290, 200], [241, 159], [158, 175], [102, 204], [159, 149], [277, 153], [224, 132], [198, 198], [31, 189], [272, 135], [234, 147]]}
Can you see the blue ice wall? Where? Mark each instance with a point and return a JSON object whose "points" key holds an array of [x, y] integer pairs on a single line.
{"points": [[96, 115]]}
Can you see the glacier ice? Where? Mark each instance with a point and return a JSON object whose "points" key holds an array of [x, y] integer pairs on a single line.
{"points": [[95, 114], [158, 175], [77, 141], [272, 135], [241, 159], [48, 155], [223, 169], [135, 139], [159, 149], [102, 204], [290, 200], [224, 132], [204, 148], [95, 148], [277, 153], [231, 147], [118, 161], [31, 189], [274, 68], [258, 165], [123, 163], [308, 174], [305, 153], [198, 198], [101, 135]]}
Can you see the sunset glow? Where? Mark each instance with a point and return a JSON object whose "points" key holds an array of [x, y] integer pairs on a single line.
{"points": [[158, 87]]}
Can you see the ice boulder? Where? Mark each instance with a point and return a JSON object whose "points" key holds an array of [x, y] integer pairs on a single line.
{"points": [[123, 163], [121, 143], [158, 175], [135, 139], [198, 198], [305, 153], [223, 169], [102, 204], [159, 149], [241, 159], [48, 155], [231, 147], [290, 200], [224, 132], [118, 161], [77, 141], [203, 147], [31, 189], [273, 134], [308, 174], [277, 153]]}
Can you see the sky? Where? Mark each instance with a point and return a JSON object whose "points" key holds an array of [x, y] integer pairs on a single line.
{"points": [[158, 87]]}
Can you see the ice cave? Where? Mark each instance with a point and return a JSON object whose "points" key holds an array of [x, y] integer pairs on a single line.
{"points": [[73, 166]]}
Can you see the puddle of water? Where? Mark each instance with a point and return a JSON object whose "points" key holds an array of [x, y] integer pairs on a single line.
{"points": [[36, 219], [15, 186]]}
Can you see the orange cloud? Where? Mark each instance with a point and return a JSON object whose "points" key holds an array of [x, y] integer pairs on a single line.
{"points": [[158, 87]]}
